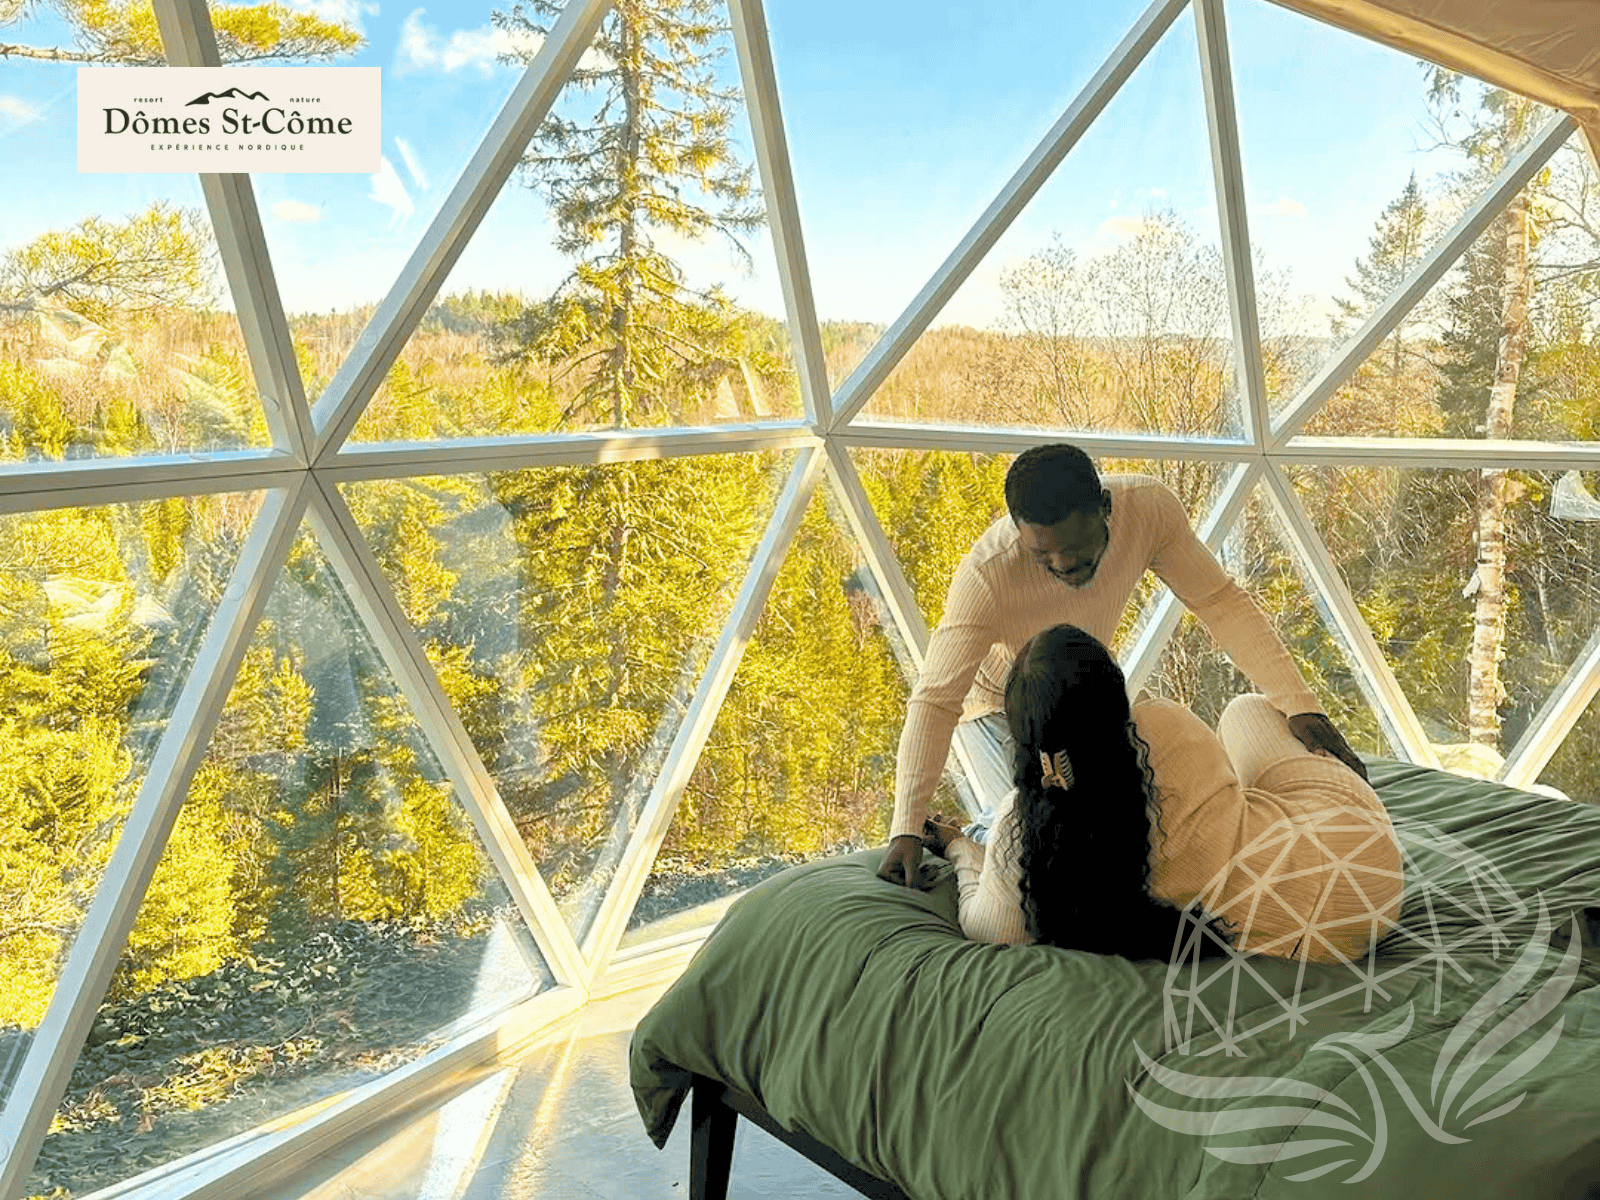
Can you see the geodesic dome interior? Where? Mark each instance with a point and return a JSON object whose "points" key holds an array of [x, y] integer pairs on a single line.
{"points": [[348, 646]]}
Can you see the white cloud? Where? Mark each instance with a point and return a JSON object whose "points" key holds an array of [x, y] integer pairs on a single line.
{"points": [[413, 167], [424, 48], [297, 212], [345, 12], [18, 109], [388, 189], [1283, 206]]}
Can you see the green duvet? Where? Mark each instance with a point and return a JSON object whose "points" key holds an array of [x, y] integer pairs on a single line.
{"points": [[1462, 1061]]}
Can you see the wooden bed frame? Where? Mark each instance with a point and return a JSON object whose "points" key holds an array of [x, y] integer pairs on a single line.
{"points": [[715, 1109]]}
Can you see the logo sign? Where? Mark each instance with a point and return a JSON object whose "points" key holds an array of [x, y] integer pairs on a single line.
{"points": [[221, 120], [1464, 908]]}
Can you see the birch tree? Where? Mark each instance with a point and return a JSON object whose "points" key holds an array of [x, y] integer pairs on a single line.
{"points": [[1501, 123]]}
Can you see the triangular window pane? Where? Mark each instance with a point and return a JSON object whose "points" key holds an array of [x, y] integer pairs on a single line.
{"points": [[1446, 371], [323, 911], [1347, 180], [101, 613], [569, 612], [340, 240], [932, 505], [1194, 671], [1104, 306], [800, 761], [902, 133], [596, 296], [1404, 539], [120, 367], [118, 335]]}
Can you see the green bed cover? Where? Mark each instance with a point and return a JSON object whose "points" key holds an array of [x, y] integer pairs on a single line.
{"points": [[856, 1011]]}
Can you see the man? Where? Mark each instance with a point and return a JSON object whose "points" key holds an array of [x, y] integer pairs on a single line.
{"points": [[1072, 550]]}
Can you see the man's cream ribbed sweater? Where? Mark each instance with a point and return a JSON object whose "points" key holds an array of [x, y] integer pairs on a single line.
{"points": [[1000, 597]]}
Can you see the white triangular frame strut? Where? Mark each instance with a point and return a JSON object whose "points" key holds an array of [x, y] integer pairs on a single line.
{"points": [[190, 41], [40, 1084], [425, 272], [1222, 122], [783, 209], [600, 942], [401, 650]]}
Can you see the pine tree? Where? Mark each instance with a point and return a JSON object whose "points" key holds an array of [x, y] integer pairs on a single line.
{"points": [[652, 157], [1393, 251]]}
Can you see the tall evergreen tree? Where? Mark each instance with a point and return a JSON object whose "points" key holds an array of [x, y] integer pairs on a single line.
{"points": [[1393, 251], [652, 157], [626, 567]]}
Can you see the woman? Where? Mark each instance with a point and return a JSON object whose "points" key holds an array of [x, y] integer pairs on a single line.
{"points": [[1121, 817]]}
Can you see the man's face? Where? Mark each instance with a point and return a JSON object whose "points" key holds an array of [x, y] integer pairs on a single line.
{"points": [[1070, 550]]}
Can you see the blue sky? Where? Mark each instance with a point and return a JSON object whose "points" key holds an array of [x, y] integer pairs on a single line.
{"points": [[904, 120]]}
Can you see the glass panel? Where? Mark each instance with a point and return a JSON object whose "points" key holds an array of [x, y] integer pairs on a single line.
{"points": [[933, 505], [322, 913], [800, 761], [1348, 178], [1193, 670], [1199, 485], [569, 613], [602, 296], [339, 241], [1405, 542], [902, 133], [116, 331], [101, 614], [1574, 769], [1444, 371], [1104, 306]]}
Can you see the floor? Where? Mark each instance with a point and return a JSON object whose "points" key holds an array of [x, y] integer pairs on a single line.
{"points": [[559, 1126]]}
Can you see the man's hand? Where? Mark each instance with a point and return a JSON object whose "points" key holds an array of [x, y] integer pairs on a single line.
{"points": [[902, 860], [1316, 732]]}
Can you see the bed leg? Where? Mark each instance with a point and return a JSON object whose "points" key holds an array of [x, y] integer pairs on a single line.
{"points": [[710, 1142]]}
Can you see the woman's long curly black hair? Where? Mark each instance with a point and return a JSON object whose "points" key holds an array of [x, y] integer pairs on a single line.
{"points": [[1084, 853]]}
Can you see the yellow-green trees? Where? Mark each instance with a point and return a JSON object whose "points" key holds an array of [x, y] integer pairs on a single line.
{"points": [[156, 263], [105, 32], [81, 664]]}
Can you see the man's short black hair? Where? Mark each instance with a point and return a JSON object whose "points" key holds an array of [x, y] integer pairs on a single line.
{"points": [[1048, 484]]}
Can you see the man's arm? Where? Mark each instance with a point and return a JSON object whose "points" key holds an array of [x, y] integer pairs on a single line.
{"points": [[1237, 624], [955, 652]]}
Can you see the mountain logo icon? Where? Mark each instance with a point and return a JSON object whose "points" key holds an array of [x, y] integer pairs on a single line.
{"points": [[232, 93]]}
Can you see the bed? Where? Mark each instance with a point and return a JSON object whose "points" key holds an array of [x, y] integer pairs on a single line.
{"points": [[850, 1017]]}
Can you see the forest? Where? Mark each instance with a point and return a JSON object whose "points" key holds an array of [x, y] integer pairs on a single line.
{"points": [[322, 870]]}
